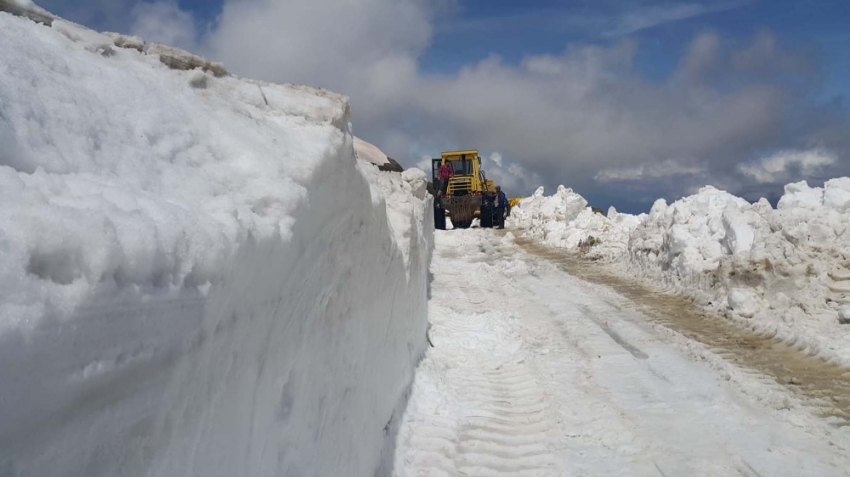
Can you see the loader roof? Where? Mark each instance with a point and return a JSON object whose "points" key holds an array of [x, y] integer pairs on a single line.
{"points": [[458, 153]]}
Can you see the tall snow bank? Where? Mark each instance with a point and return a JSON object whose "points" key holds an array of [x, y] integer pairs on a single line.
{"points": [[197, 277], [564, 220]]}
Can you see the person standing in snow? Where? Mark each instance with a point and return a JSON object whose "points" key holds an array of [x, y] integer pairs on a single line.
{"points": [[445, 173], [501, 206]]}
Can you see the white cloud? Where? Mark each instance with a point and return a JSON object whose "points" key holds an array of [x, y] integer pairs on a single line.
{"points": [[425, 164], [585, 61], [779, 167], [701, 59], [586, 112], [514, 178], [668, 168], [496, 158], [363, 46], [764, 56], [567, 117], [164, 22], [644, 18]]}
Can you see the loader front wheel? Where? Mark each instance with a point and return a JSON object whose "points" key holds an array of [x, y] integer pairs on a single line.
{"points": [[439, 218], [486, 217], [462, 224]]}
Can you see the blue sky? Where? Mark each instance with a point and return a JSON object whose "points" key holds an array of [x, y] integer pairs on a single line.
{"points": [[514, 29], [475, 29], [625, 101]]}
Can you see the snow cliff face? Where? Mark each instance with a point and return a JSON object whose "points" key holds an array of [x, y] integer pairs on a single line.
{"points": [[782, 272], [197, 276]]}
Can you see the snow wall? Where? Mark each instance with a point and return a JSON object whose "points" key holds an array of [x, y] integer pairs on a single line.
{"points": [[197, 275], [784, 272]]}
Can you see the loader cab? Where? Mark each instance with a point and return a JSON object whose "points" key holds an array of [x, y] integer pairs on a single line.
{"points": [[464, 165], [469, 179]]}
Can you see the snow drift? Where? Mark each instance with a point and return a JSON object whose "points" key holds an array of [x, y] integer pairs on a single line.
{"points": [[197, 276], [782, 272], [564, 220]]}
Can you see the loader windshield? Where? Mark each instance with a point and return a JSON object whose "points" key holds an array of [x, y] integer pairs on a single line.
{"points": [[461, 167]]}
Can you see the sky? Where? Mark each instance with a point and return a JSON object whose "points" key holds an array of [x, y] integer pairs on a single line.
{"points": [[625, 101]]}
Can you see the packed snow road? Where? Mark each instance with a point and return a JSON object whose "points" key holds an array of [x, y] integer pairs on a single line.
{"points": [[535, 372]]}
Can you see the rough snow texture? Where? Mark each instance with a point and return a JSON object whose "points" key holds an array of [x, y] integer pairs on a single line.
{"points": [[178, 59], [197, 278], [28, 9], [783, 272], [127, 41], [564, 220]]}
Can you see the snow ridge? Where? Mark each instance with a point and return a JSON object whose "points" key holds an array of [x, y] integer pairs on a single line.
{"points": [[783, 272]]}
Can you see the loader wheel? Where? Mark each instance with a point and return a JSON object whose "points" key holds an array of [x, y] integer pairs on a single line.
{"points": [[439, 218], [486, 217], [464, 224]]}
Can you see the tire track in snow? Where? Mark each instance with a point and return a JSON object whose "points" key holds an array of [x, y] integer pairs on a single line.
{"points": [[498, 418], [506, 429], [534, 374]]}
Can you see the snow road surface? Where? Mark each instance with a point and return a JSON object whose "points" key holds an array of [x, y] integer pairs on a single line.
{"points": [[537, 373]]}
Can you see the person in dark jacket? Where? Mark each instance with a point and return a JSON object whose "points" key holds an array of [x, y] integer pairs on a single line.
{"points": [[501, 207]]}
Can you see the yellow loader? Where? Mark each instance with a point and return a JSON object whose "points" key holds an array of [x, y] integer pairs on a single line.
{"points": [[466, 195]]}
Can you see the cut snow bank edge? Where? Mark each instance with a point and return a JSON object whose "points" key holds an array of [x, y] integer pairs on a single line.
{"points": [[783, 272], [197, 277]]}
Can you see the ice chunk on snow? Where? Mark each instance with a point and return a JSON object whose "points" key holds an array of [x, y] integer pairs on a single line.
{"points": [[414, 174], [743, 302], [800, 195], [837, 194], [659, 208], [573, 203], [739, 235], [418, 181], [844, 315], [127, 41], [538, 192]]}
